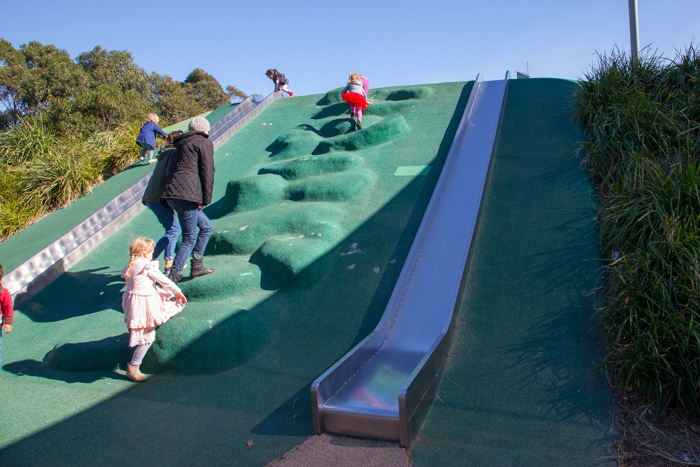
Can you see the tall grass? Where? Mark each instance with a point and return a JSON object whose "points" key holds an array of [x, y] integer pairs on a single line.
{"points": [[41, 172], [642, 123]]}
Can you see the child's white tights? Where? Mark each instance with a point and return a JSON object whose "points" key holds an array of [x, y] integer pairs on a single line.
{"points": [[139, 353]]}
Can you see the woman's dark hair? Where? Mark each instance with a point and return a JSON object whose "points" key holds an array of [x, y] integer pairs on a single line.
{"points": [[171, 137]]}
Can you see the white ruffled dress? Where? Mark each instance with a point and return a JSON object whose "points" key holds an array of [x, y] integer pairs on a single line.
{"points": [[146, 306]]}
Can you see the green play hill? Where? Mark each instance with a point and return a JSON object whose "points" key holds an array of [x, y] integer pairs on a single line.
{"points": [[313, 220]]}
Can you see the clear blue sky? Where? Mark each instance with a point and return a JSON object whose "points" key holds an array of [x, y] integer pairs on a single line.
{"points": [[317, 44]]}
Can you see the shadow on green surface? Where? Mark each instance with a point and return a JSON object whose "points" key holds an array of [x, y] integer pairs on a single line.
{"points": [[41, 370], [59, 300]]}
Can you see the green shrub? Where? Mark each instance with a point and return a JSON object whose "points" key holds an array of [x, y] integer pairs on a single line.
{"points": [[642, 124], [62, 175], [28, 140], [118, 148]]}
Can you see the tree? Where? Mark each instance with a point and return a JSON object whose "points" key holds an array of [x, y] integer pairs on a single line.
{"points": [[235, 94], [207, 91], [115, 68], [174, 101], [98, 91], [34, 75]]}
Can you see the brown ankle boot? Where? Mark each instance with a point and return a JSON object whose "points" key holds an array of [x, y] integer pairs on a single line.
{"points": [[198, 268], [134, 374]]}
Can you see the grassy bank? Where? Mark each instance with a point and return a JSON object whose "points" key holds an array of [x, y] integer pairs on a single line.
{"points": [[642, 122], [41, 172]]}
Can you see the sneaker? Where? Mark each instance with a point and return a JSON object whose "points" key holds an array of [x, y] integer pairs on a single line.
{"points": [[151, 161], [141, 158], [291, 94]]}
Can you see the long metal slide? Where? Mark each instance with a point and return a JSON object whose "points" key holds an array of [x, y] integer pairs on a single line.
{"points": [[384, 387]]}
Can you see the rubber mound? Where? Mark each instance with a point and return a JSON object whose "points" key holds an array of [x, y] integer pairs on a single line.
{"points": [[215, 342], [254, 334], [312, 166], [276, 228]]}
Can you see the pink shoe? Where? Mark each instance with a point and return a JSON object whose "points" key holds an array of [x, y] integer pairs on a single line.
{"points": [[291, 94]]}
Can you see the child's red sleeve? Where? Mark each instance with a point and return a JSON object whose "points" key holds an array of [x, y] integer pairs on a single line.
{"points": [[6, 305]]}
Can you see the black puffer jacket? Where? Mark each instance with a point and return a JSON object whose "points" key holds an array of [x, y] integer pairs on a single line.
{"points": [[191, 169]]}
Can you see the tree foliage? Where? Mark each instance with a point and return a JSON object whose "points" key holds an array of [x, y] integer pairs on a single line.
{"points": [[99, 91], [66, 125]]}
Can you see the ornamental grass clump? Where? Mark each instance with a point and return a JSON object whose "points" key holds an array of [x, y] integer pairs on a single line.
{"points": [[41, 172], [642, 123]]}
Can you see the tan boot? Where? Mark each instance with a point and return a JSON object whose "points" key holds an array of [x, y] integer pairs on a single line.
{"points": [[168, 265], [134, 374]]}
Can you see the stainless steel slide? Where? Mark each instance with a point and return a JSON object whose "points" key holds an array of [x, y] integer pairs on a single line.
{"points": [[384, 387]]}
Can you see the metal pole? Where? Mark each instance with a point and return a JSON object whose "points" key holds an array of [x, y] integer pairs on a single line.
{"points": [[634, 30]]}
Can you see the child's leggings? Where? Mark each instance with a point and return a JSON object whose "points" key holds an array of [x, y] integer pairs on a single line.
{"points": [[139, 353], [358, 111]]}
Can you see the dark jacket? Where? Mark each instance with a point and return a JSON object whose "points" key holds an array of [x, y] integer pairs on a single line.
{"points": [[148, 134], [280, 80], [191, 169], [160, 173]]}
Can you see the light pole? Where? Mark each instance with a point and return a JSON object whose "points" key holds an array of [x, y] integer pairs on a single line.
{"points": [[634, 30]]}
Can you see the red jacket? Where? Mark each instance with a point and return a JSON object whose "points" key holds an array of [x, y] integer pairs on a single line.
{"points": [[6, 306]]}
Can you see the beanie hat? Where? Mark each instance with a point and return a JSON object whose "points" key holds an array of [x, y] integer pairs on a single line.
{"points": [[199, 124]]}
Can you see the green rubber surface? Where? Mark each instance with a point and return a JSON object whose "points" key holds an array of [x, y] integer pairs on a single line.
{"points": [[519, 386], [311, 229]]}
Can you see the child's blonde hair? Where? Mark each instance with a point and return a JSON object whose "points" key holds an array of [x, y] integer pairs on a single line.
{"points": [[153, 118], [138, 247], [354, 77]]}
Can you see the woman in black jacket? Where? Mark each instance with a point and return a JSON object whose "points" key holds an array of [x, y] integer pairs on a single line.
{"points": [[187, 189]]}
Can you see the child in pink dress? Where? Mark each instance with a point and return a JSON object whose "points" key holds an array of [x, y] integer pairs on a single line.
{"points": [[145, 306]]}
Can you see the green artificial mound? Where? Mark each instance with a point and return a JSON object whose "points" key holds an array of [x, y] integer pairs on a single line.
{"points": [[275, 228], [237, 362], [242, 276], [310, 166], [302, 259], [246, 232], [215, 342]]}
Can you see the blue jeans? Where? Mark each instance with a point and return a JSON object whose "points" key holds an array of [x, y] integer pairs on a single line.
{"points": [[168, 219], [191, 218]]}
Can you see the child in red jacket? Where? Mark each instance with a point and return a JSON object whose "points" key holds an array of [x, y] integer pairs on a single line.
{"points": [[6, 308]]}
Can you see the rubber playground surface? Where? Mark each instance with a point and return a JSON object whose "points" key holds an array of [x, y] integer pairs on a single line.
{"points": [[312, 223]]}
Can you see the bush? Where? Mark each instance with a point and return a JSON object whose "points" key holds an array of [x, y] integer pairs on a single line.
{"points": [[642, 124], [43, 172]]}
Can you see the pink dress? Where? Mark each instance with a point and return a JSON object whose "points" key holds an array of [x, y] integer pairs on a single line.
{"points": [[145, 306]]}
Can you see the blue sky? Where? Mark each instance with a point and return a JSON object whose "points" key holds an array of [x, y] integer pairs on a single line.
{"points": [[317, 44]]}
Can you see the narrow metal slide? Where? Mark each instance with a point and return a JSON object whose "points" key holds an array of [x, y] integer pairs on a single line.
{"points": [[384, 387]]}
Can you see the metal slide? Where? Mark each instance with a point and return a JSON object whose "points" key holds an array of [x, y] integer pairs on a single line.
{"points": [[384, 387], [44, 267]]}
